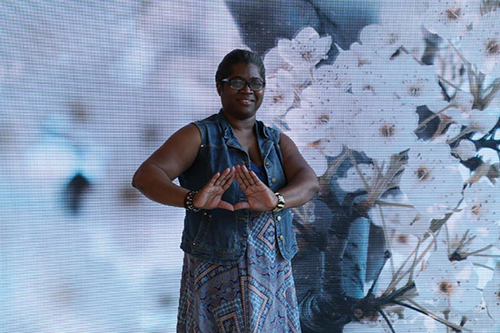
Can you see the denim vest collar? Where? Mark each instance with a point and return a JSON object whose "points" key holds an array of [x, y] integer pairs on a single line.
{"points": [[265, 143]]}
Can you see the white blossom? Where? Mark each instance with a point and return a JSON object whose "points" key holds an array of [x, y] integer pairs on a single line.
{"points": [[314, 117], [399, 26], [431, 179], [333, 78], [481, 323], [446, 285], [450, 18], [360, 68], [481, 45], [383, 128], [321, 119], [476, 320], [402, 219], [306, 49], [278, 97], [385, 39], [414, 322], [358, 55], [466, 149], [491, 294], [273, 62], [482, 210], [402, 243], [482, 121], [415, 84], [402, 79], [483, 202], [452, 131], [371, 79], [462, 102], [462, 238], [463, 113], [310, 151]]}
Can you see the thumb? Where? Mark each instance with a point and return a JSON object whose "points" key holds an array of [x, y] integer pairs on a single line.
{"points": [[225, 205], [242, 205]]}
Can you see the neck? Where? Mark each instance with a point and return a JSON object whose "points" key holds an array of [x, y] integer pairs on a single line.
{"points": [[237, 124]]}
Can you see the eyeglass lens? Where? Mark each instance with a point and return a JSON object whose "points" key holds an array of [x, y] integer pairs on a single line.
{"points": [[238, 84]]}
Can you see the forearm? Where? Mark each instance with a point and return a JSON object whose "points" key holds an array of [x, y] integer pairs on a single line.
{"points": [[300, 189], [155, 184]]}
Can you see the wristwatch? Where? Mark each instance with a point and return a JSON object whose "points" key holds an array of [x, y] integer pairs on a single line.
{"points": [[281, 203]]}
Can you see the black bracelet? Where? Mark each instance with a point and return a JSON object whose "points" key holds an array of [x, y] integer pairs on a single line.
{"points": [[188, 201]]}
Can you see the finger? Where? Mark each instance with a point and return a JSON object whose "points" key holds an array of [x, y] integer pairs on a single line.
{"points": [[222, 177], [240, 181], [238, 168], [243, 176], [255, 178], [225, 205], [247, 176], [211, 182], [229, 180], [242, 205]]}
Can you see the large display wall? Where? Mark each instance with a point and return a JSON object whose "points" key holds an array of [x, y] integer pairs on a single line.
{"points": [[395, 105]]}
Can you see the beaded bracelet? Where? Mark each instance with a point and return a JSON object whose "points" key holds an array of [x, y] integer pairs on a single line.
{"points": [[188, 201]]}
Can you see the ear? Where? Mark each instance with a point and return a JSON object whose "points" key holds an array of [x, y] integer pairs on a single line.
{"points": [[219, 88]]}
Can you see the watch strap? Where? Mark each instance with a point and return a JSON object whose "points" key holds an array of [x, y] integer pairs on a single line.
{"points": [[281, 203]]}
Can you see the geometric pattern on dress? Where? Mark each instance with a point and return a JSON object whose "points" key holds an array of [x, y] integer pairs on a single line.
{"points": [[185, 307], [229, 316], [254, 295], [264, 237], [259, 299], [244, 299], [286, 295], [229, 324], [294, 327], [285, 286]]}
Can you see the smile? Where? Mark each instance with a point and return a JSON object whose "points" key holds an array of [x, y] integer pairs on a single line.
{"points": [[246, 101]]}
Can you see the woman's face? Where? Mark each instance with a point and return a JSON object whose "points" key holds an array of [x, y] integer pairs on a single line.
{"points": [[243, 103]]}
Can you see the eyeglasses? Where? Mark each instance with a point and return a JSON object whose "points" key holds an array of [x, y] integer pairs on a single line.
{"points": [[238, 84]]}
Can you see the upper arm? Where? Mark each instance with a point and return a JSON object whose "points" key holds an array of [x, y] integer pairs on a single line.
{"points": [[178, 153], [293, 162]]}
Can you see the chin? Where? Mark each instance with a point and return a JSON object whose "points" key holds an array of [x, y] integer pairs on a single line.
{"points": [[248, 114]]}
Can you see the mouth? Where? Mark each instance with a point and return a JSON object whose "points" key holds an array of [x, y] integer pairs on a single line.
{"points": [[246, 101]]}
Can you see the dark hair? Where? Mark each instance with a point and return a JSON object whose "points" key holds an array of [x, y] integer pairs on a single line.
{"points": [[236, 56]]}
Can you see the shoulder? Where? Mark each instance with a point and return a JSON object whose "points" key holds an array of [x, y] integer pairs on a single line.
{"points": [[286, 143], [188, 133], [208, 120], [207, 126]]}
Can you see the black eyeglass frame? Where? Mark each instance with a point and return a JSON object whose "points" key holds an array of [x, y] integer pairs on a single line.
{"points": [[249, 83]]}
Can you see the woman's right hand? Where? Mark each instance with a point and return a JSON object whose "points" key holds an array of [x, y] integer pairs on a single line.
{"points": [[209, 197]]}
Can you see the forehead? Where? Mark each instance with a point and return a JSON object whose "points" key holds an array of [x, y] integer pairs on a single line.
{"points": [[245, 71]]}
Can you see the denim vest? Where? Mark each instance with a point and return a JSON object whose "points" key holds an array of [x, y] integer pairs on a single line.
{"points": [[219, 235]]}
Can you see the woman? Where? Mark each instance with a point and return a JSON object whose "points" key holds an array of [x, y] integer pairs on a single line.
{"points": [[237, 238]]}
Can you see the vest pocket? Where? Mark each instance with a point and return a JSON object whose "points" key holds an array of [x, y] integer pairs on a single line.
{"points": [[202, 232]]}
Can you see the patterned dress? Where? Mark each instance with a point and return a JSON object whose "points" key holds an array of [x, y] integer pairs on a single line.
{"points": [[257, 294]]}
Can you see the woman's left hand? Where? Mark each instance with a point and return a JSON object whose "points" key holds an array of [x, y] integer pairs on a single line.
{"points": [[260, 197]]}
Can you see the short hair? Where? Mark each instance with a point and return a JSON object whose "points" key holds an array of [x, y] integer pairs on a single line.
{"points": [[239, 56]]}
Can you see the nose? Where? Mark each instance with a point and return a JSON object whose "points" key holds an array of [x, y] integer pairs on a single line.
{"points": [[246, 89]]}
